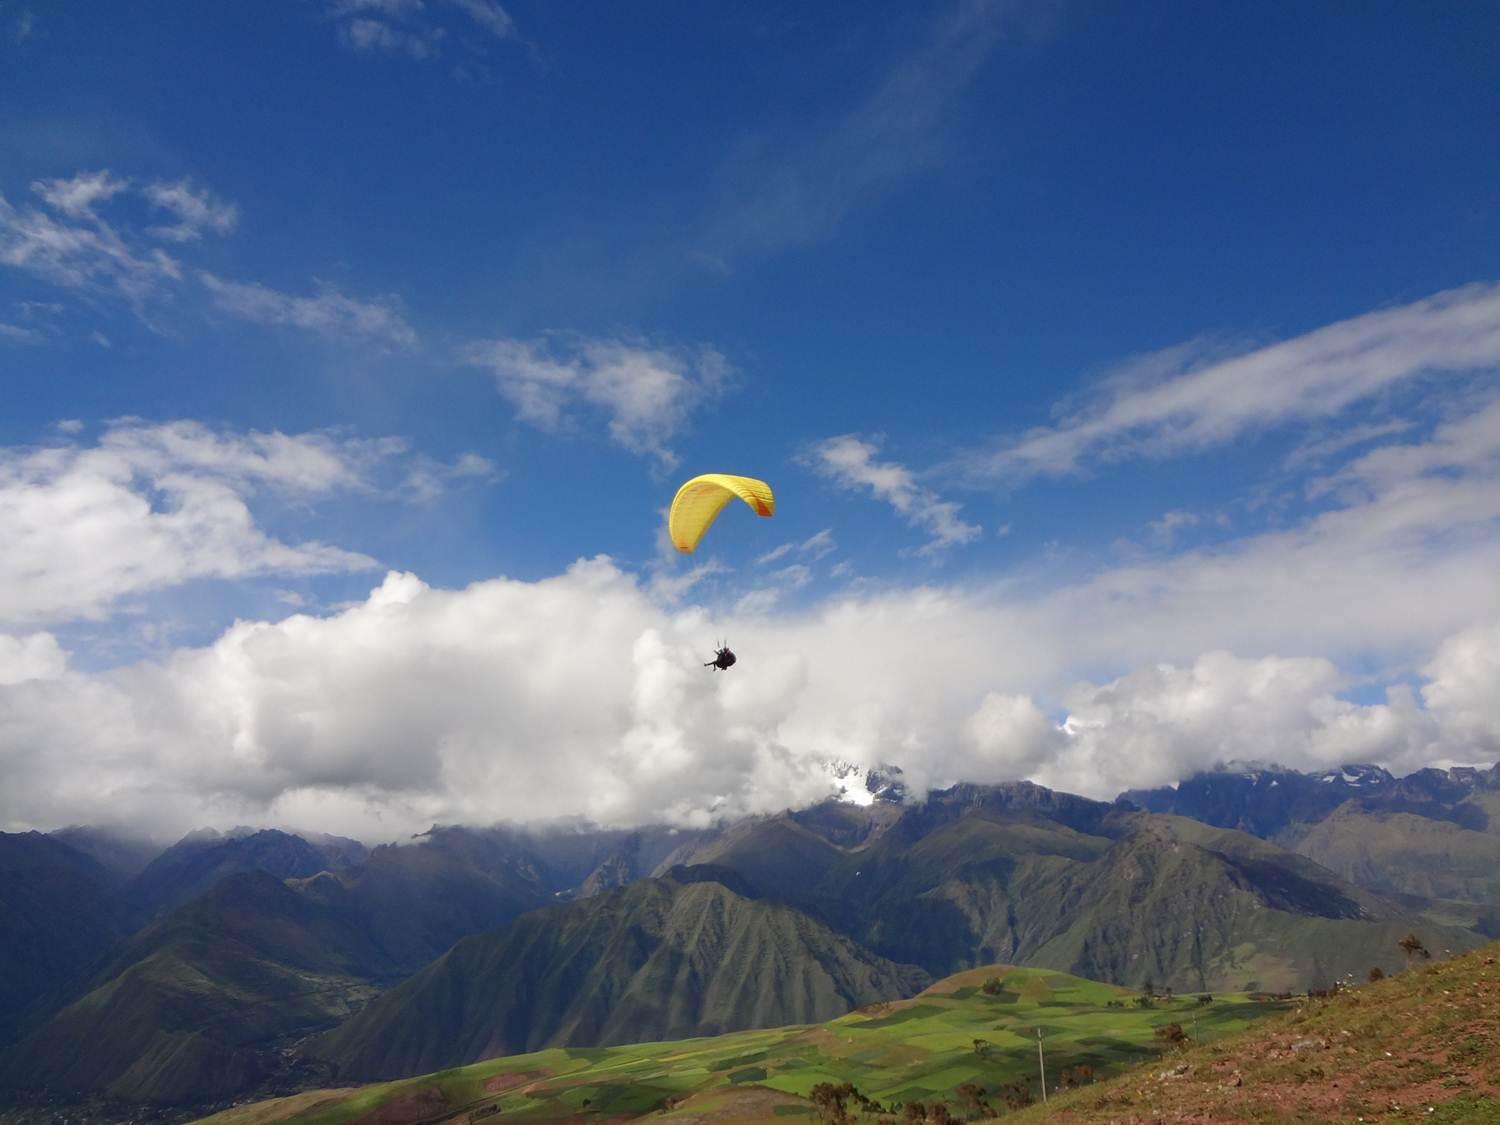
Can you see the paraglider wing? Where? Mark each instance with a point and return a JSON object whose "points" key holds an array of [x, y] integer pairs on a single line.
{"points": [[699, 502]]}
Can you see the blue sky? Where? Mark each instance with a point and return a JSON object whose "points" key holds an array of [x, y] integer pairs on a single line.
{"points": [[1147, 357]]}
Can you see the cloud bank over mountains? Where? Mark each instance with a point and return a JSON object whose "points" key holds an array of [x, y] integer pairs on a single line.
{"points": [[583, 695]]}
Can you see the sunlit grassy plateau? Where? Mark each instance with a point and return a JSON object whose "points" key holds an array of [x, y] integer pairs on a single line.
{"points": [[921, 1049]]}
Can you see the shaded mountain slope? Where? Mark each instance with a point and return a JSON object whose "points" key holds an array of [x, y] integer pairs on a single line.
{"points": [[58, 914], [659, 959], [195, 1005], [181, 1011], [199, 860], [415, 900], [122, 855], [1272, 802], [776, 856]]}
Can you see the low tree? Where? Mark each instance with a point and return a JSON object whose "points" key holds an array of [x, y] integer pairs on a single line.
{"points": [[1017, 1095], [1377, 973], [914, 1113], [1080, 1075], [832, 1102], [982, 1048], [971, 1096], [992, 987], [1411, 945]]}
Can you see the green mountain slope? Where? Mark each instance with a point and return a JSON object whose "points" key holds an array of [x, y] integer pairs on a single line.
{"points": [[1406, 854], [661, 958], [954, 1035], [1139, 896]]}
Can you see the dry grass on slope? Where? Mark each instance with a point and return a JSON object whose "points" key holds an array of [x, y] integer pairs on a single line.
{"points": [[1421, 1046]]}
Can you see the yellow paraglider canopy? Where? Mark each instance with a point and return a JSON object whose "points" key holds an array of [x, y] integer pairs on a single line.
{"points": [[699, 502]]}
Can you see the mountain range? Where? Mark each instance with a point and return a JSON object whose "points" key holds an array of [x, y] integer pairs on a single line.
{"points": [[265, 960]]}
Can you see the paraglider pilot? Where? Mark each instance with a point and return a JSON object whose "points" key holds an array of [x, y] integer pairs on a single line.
{"points": [[723, 658]]}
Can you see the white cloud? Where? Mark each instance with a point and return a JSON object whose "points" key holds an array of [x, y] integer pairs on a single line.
{"points": [[581, 694], [584, 693], [1183, 403], [1163, 722], [647, 394], [1463, 687], [150, 507], [36, 656], [849, 461]]}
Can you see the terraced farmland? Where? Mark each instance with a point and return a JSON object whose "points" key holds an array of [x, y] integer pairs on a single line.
{"points": [[922, 1049]]}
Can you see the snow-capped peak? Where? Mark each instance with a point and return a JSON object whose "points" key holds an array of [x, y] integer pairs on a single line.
{"points": [[861, 785]]}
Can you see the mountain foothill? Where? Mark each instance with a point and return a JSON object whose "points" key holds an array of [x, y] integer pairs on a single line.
{"points": [[261, 961]]}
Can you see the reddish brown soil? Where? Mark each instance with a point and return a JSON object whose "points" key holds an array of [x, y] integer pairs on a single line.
{"points": [[503, 1083]]}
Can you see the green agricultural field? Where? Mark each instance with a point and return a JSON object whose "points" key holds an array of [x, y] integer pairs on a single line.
{"points": [[920, 1049]]}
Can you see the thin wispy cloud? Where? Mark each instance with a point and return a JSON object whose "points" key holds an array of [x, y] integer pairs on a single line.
{"points": [[328, 312], [67, 243], [84, 238], [851, 463], [418, 29], [16, 334], [1192, 406], [780, 195], [427, 480], [1165, 529], [814, 547], [196, 209], [644, 394]]}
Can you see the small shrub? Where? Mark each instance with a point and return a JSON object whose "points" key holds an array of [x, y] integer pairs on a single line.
{"points": [[1172, 1034]]}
